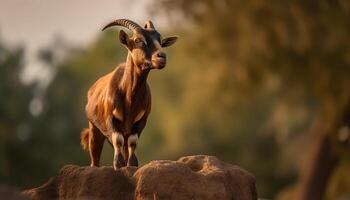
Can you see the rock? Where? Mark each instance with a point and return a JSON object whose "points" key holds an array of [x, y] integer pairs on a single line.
{"points": [[74, 182], [192, 177]]}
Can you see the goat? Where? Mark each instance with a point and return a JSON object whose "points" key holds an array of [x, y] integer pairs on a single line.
{"points": [[119, 103]]}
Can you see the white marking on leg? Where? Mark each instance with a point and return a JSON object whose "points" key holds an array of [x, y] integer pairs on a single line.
{"points": [[132, 143], [118, 143]]}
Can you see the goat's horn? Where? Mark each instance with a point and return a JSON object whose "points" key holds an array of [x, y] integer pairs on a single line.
{"points": [[149, 24], [124, 22]]}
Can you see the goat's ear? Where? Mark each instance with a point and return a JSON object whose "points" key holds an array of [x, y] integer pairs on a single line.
{"points": [[166, 42], [124, 39]]}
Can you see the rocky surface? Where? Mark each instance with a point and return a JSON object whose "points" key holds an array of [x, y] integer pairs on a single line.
{"points": [[192, 177]]}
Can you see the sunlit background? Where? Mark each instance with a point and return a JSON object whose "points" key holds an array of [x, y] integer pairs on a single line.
{"points": [[261, 84]]}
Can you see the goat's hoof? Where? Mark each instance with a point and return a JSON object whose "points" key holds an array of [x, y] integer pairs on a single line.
{"points": [[133, 162], [119, 163]]}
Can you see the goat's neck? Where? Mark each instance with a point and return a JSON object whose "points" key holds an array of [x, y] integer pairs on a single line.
{"points": [[133, 79]]}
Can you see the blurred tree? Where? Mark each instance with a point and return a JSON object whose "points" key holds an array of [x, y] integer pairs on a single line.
{"points": [[14, 131], [284, 65]]}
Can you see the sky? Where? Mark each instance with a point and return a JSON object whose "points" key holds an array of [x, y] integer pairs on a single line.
{"points": [[35, 23]]}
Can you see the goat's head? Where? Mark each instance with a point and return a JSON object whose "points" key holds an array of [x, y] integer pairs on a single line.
{"points": [[145, 45]]}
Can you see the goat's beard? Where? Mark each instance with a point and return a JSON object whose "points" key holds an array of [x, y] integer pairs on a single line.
{"points": [[146, 66]]}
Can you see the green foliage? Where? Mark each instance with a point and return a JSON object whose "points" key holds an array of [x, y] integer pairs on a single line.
{"points": [[261, 70], [13, 114], [339, 185]]}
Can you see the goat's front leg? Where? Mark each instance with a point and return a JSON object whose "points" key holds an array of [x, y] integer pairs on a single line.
{"points": [[132, 143], [118, 142]]}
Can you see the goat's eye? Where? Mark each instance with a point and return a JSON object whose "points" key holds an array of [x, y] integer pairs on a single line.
{"points": [[138, 41]]}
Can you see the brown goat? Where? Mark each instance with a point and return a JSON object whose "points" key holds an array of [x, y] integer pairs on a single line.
{"points": [[119, 103]]}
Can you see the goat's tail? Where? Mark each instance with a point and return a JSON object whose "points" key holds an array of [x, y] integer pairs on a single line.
{"points": [[84, 138]]}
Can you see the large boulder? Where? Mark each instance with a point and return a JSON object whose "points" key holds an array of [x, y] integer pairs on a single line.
{"points": [[191, 177]]}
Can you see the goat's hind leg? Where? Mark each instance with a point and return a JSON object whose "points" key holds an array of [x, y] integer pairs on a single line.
{"points": [[96, 140]]}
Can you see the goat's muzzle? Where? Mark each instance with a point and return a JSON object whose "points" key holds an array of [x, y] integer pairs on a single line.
{"points": [[159, 60]]}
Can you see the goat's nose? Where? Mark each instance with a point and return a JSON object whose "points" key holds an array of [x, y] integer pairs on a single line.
{"points": [[161, 54]]}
